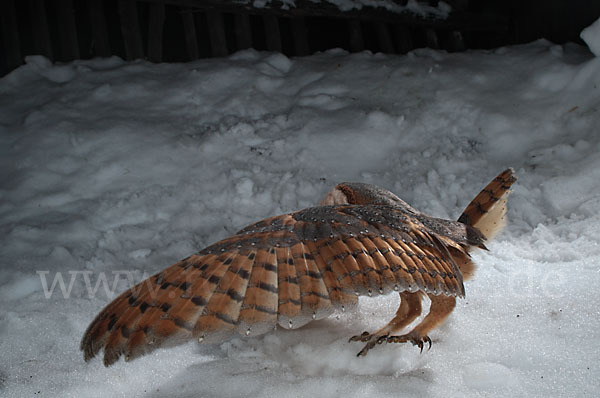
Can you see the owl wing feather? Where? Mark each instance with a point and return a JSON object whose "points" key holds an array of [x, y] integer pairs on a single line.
{"points": [[285, 270]]}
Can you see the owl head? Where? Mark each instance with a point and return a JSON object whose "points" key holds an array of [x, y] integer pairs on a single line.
{"points": [[358, 193]]}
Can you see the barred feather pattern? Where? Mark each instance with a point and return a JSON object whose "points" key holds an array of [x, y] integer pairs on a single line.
{"points": [[285, 270], [487, 210]]}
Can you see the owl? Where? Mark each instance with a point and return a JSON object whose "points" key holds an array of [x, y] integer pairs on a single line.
{"points": [[288, 270]]}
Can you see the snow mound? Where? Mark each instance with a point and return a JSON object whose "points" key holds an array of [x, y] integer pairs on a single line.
{"points": [[591, 37], [112, 170]]}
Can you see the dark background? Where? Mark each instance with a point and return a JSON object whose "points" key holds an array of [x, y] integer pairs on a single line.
{"points": [[64, 30]]}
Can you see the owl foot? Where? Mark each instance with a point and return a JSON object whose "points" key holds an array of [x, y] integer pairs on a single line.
{"points": [[364, 336], [373, 340], [414, 338]]}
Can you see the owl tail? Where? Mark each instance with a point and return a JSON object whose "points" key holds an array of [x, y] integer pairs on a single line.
{"points": [[487, 211]]}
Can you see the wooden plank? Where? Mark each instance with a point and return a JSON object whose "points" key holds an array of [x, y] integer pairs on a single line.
{"points": [[156, 23], [39, 28], [101, 44], [191, 40], [383, 36], [356, 38], [216, 31], [403, 39], [130, 28], [431, 39], [67, 30], [455, 41], [10, 33], [459, 5], [243, 30], [272, 33], [300, 36]]}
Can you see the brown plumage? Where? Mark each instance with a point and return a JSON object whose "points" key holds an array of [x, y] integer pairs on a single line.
{"points": [[291, 269]]}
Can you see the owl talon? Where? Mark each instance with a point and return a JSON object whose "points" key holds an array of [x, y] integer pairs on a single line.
{"points": [[381, 339], [372, 342], [421, 343], [364, 336], [414, 338], [427, 340], [367, 347]]}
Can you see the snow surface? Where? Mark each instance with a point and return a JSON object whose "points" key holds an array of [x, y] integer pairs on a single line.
{"points": [[591, 37], [115, 170], [441, 10]]}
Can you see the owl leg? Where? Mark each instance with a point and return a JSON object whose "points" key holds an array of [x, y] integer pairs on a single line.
{"points": [[441, 307], [409, 310]]}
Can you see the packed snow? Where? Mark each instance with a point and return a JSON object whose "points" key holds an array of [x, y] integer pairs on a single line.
{"points": [[112, 170]]}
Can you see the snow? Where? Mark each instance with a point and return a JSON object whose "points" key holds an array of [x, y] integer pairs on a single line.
{"points": [[591, 37], [112, 170], [441, 10]]}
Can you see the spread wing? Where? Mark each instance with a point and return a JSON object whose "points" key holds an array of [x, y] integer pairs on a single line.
{"points": [[285, 270]]}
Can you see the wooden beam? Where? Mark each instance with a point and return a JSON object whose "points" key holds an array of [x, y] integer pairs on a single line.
{"points": [[272, 33], [191, 40], [455, 41], [300, 35], [243, 30], [39, 28], [156, 23], [216, 31], [10, 33], [67, 30], [101, 44], [403, 38], [130, 28], [383, 37], [431, 39], [356, 38]]}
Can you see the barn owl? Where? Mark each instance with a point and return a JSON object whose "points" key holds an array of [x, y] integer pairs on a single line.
{"points": [[294, 268]]}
